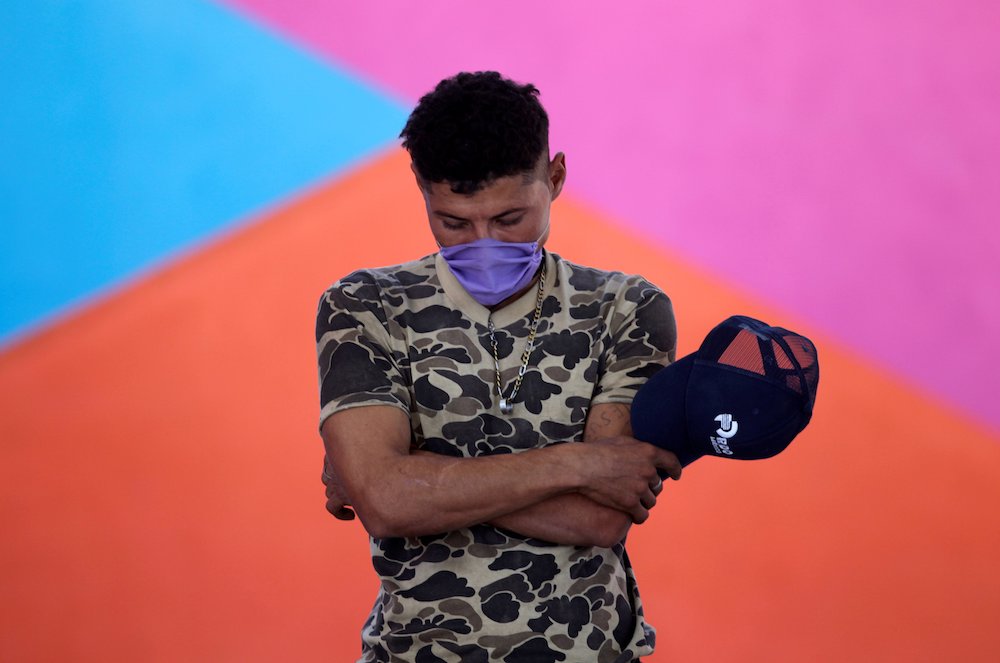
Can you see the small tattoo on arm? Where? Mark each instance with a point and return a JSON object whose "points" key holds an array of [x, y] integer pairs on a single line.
{"points": [[611, 420]]}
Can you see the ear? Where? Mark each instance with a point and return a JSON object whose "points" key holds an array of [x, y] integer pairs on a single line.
{"points": [[557, 174]]}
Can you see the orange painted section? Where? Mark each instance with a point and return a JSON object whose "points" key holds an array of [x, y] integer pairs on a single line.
{"points": [[161, 497]]}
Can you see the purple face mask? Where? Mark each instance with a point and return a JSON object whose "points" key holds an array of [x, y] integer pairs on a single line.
{"points": [[491, 270]]}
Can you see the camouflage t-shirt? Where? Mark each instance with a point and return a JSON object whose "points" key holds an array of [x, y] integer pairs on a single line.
{"points": [[411, 337]]}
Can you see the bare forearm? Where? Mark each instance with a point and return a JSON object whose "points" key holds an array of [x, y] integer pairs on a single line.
{"points": [[418, 494], [576, 519], [570, 519], [399, 493]]}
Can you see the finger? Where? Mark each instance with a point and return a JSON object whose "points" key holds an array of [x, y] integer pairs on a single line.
{"points": [[657, 486], [648, 500], [332, 493], [668, 462], [344, 514], [333, 505], [339, 510], [639, 514]]}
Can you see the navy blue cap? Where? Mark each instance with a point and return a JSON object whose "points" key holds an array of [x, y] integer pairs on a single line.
{"points": [[745, 394]]}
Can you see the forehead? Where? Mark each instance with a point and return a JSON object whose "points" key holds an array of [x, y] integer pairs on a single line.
{"points": [[503, 193]]}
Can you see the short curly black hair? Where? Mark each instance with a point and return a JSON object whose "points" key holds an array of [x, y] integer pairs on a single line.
{"points": [[474, 128]]}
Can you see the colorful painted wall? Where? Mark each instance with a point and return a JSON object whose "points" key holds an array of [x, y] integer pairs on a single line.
{"points": [[179, 182]]}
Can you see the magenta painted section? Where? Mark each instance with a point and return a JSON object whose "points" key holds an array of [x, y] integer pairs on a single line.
{"points": [[841, 160]]}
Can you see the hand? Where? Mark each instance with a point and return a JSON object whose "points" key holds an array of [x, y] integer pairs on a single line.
{"points": [[621, 472], [337, 501]]}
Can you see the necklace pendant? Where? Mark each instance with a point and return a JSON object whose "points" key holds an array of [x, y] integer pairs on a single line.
{"points": [[506, 407]]}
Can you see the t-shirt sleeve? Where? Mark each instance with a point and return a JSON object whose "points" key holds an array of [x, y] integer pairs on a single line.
{"points": [[643, 339], [357, 366]]}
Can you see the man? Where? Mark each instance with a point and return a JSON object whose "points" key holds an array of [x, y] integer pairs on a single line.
{"points": [[475, 407]]}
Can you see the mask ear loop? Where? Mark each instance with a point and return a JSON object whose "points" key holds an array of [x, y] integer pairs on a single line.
{"points": [[548, 224]]}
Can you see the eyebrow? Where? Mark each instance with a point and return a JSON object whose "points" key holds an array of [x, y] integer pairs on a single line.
{"points": [[513, 210]]}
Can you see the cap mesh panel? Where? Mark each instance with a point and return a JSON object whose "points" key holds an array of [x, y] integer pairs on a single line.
{"points": [[759, 348], [744, 352], [784, 361], [805, 355]]}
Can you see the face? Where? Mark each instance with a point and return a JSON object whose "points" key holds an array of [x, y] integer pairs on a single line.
{"points": [[509, 209]]}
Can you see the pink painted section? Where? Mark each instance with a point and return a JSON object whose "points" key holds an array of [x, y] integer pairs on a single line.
{"points": [[841, 160]]}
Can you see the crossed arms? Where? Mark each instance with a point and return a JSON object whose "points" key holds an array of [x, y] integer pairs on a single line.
{"points": [[574, 494]]}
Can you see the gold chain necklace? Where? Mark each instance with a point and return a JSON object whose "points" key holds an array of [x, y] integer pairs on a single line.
{"points": [[506, 403]]}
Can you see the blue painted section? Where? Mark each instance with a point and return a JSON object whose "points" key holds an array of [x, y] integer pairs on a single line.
{"points": [[130, 129]]}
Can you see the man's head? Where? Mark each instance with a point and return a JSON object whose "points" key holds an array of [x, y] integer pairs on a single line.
{"points": [[474, 128], [479, 149]]}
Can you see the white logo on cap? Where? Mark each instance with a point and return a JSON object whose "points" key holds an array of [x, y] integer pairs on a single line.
{"points": [[728, 427]]}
